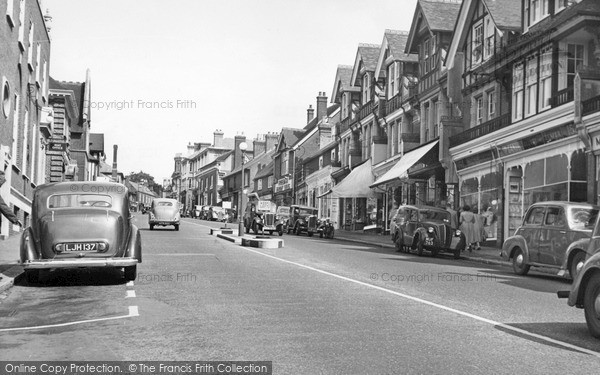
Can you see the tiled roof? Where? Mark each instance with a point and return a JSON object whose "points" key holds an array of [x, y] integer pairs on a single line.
{"points": [[97, 142], [397, 43], [440, 14], [321, 151], [506, 13], [76, 87], [266, 171], [135, 187], [315, 121], [369, 54], [292, 135], [344, 74]]}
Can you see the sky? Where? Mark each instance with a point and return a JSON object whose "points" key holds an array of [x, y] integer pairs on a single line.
{"points": [[164, 74]]}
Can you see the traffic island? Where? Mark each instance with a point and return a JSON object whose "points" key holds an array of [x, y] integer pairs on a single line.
{"points": [[264, 242], [221, 231]]}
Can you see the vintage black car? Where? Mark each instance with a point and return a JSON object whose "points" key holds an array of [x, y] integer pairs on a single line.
{"points": [[80, 225], [426, 228], [554, 234], [585, 290], [303, 219]]}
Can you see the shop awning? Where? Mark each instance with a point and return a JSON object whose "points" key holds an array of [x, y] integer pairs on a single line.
{"points": [[399, 171], [356, 184]]}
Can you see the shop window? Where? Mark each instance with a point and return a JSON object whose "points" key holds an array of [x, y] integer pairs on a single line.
{"points": [[579, 166], [557, 169], [534, 174]]}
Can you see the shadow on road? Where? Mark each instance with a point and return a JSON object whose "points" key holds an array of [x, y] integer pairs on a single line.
{"points": [[76, 277]]}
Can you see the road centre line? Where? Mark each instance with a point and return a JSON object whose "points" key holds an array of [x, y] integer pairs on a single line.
{"points": [[133, 312], [437, 305], [130, 294]]}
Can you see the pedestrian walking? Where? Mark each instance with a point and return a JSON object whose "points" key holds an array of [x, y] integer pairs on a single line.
{"points": [[467, 226], [393, 212], [6, 211], [479, 226]]}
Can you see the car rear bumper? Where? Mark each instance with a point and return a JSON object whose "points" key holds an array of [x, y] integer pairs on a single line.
{"points": [[163, 222], [80, 263]]}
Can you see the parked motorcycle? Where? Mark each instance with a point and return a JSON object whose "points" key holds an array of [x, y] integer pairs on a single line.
{"points": [[325, 228]]}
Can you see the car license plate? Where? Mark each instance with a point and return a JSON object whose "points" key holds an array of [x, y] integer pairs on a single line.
{"points": [[82, 246], [429, 241]]}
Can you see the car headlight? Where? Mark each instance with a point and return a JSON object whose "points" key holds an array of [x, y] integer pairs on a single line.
{"points": [[458, 232], [430, 229]]}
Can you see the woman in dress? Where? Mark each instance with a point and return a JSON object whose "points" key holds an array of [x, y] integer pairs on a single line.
{"points": [[479, 227], [467, 226]]}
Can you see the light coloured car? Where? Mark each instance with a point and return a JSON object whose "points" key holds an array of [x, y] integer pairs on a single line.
{"points": [[164, 212], [80, 225]]}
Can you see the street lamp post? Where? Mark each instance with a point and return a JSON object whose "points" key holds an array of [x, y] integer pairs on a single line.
{"points": [[243, 146]]}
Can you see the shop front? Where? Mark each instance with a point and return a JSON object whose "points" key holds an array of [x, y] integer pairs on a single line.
{"points": [[282, 192]]}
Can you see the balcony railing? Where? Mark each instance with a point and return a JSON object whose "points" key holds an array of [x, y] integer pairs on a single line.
{"points": [[365, 110], [480, 130], [394, 103], [590, 106], [562, 97]]}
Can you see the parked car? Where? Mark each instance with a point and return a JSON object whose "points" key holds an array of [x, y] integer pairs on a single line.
{"points": [[554, 234], [325, 228], [426, 228], [217, 213], [303, 219], [164, 212], [80, 224], [267, 211], [585, 290], [283, 217]]}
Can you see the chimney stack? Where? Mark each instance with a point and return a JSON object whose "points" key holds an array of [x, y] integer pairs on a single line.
{"points": [[321, 106], [271, 141], [310, 114], [218, 138], [259, 144], [114, 165]]}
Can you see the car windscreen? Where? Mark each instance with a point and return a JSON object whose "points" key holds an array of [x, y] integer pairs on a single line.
{"points": [[582, 217], [435, 215], [304, 211], [79, 200]]}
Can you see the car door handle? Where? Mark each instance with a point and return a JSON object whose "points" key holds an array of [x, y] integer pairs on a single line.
{"points": [[563, 232]]}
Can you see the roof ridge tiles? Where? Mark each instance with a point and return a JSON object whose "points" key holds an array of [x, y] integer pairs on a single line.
{"points": [[398, 32], [371, 45]]}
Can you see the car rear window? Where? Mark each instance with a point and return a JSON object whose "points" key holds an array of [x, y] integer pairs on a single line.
{"points": [[582, 217], [164, 204], [79, 200]]}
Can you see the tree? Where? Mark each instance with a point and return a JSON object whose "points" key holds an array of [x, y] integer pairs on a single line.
{"points": [[142, 177]]}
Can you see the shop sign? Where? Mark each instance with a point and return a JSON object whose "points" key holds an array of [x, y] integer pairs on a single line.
{"points": [[57, 146], [283, 184]]}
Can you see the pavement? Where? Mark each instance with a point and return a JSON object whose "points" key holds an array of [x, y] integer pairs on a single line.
{"points": [[10, 268]]}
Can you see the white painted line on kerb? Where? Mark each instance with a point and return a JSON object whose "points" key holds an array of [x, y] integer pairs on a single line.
{"points": [[133, 311], [425, 302], [130, 294]]}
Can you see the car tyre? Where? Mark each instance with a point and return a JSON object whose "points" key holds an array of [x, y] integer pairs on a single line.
{"points": [[331, 232], [591, 305], [434, 252], [280, 232], [519, 266], [176, 227], [130, 272], [151, 226], [399, 245], [310, 234], [577, 263], [297, 231], [320, 234], [32, 276], [457, 253]]}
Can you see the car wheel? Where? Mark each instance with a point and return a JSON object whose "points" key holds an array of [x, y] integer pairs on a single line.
{"points": [[130, 272], [519, 266], [32, 276], [151, 226], [247, 229], [420, 248], [399, 246], [331, 232], [297, 231], [577, 263], [320, 234], [255, 228], [280, 232], [310, 234], [434, 252], [591, 305], [457, 253], [176, 227]]}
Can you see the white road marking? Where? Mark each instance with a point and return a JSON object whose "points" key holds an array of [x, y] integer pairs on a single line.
{"points": [[181, 254], [425, 302], [133, 312], [130, 294], [129, 283]]}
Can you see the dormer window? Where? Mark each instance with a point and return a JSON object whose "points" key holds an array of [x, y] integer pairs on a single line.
{"points": [[393, 79], [366, 88], [477, 45], [535, 10]]}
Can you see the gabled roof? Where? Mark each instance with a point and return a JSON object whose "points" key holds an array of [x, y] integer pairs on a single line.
{"points": [[77, 88], [393, 45], [342, 82], [266, 171], [506, 15], [288, 137], [366, 57], [136, 187], [438, 15]]}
